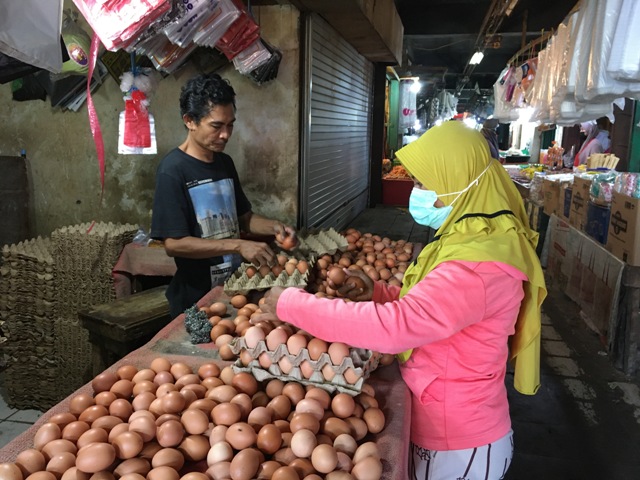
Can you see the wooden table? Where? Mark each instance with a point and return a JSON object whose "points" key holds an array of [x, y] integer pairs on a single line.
{"points": [[137, 261], [173, 343]]}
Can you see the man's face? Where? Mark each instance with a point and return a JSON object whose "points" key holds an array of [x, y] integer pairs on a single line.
{"points": [[214, 131]]}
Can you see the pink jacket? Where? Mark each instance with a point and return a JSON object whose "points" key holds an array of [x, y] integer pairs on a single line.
{"points": [[457, 320]]}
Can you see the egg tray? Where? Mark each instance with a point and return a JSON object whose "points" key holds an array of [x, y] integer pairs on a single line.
{"points": [[240, 283], [322, 242], [361, 360]]}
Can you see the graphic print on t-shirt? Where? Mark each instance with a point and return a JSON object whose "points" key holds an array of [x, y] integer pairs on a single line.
{"points": [[214, 203]]}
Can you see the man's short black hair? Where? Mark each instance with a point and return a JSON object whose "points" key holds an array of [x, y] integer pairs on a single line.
{"points": [[203, 92]]}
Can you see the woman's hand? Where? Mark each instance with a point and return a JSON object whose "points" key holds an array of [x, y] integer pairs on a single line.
{"points": [[269, 306], [357, 286]]}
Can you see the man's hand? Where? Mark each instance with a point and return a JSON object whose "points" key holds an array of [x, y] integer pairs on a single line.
{"points": [[257, 253], [285, 236]]}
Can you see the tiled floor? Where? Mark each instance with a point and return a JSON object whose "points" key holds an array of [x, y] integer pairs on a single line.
{"points": [[584, 422], [13, 422]]}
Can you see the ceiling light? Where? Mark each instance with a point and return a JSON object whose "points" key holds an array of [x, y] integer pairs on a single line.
{"points": [[476, 58], [415, 87]]}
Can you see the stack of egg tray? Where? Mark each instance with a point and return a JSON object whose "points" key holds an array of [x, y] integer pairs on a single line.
{"points": [[362, 361], [27, 308], [84, 257], [321, 242], [240, 283]]}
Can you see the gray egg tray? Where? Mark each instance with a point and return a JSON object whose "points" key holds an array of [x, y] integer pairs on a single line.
{"points": [[362, 361], [240, 283], [321, 242]]}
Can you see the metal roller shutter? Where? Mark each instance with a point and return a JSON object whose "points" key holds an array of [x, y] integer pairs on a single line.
{"points": [[336, 132]]}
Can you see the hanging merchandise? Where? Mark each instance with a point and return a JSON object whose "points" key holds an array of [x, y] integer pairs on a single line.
{"points": [[268, 70], [407, 105], [624, 59], [251, 57], [30, 32], [165, 56], [242, 33], [221, 18], [193, 15], [137, 128], [77, 43], [119, 22]]}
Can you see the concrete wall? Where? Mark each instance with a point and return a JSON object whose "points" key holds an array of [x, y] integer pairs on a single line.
{"points": [[63, 162]]}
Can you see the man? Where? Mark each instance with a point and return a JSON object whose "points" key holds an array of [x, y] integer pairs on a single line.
{"points": [[199, 207]]}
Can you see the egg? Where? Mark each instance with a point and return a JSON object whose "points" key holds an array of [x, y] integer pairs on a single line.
{"points": [[222, 393], [226, 414], [126, 372], [316, 348], [170, 433], [132, 476], [374, 418], [104, 382], [369, 468], [338, 352], [143, 426], [92, 435], [57, 447], [45, 434], [105, 398], [121, 408], [74, 429], [144, 374], [336, 275], [173, 402], [194, 421], [208, 370], [60, 463], [320, 395], [303, 443], [334, 426], [238, 301], [343, 405], [324, 458], [127, 445], [306, 369], [41, 476], [258, 417], [74, 474], [285, 473], [220, 452], [266, 469], [306, 421], [95, 457], [245, 464], [280, 407], [218, 434], [358, 427], [312, 406], [117, 430], [80, 403], [220, 471], [140, 466], [62, 419], [367, 401], [163, 473], [269, 439], [30, 461], [294, 391], [253, 335], [122, 388], [295, 343], [218, 308], [10, 471], [367, 449], [195, 476], [168, 457], [241, 435], [245, 382], [194, 447]]}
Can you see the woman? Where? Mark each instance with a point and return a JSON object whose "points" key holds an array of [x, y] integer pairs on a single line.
{"points": [[596, 141], [477, 284]]}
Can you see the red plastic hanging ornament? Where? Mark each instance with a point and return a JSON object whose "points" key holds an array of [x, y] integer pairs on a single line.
{"points": [[137, 131]]}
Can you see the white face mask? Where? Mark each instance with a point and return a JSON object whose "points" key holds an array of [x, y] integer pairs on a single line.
{"points": [[422, 204]]}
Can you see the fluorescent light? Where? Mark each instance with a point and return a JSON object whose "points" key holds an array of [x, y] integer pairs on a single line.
{"points": [[470, 122], [476, 58], [415, 87], [417, 125]]}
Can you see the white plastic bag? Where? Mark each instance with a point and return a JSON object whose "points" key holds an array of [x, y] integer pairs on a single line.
{"points": [[30, 32], [624, 61]]}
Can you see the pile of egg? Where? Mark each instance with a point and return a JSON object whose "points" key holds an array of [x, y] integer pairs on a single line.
{"points": [[166, 422], [381, 258]]}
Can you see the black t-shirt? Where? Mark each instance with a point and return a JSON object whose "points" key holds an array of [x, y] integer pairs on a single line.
{"points": [[197, 199]]}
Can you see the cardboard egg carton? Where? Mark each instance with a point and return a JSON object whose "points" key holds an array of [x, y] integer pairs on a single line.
{"points": [[361, 360], [321, 242], [240, 283]]}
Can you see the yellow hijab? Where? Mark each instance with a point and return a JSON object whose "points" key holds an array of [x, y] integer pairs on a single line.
{"points": [[488, 223]]}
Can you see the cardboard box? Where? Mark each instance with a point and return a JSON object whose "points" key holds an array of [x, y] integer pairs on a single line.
{"points": [[579, 202], [597, 224], [624, 235], [568, 192], [551, 195]]}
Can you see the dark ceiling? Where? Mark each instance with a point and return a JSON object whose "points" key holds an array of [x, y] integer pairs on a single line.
{"points": [[440, 36]]}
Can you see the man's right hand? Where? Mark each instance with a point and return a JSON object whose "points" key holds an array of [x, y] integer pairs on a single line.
{"points": [[257, 253]]}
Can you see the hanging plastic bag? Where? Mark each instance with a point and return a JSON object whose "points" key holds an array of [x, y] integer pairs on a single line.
{"points": [[137, 129], [217, 24], [407, 105], [30, 32], [624, 60], [195, 13]]}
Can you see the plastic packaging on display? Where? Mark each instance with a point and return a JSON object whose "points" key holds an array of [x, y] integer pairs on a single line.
{"points": [[252, 57], [194, 14], [624, 59]]}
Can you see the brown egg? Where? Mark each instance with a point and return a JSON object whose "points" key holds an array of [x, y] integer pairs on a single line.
{"points": [[275, 338], [188, 379], [73, 430], [127, 445], [258, 417], [163, 473], [173, 402], [338, 352], [320, 395], [95, 457], [140, 466], [132, 476], [343, 405], [358, 427], [223, 393], [367, 449], [304, 421], [334, 426], [121, 408], [218, 434], [30, 461], [74, 474], [303, 467], [168, 457], [266, 469], [41, 476], [56, 447], [144, 386], [126, 372], [62, 419], [122, 388], [316, 348], [92, 435], [45, 434], [345, 443], [143, 426], [245, 464], [241, 435], [374, 418], [163, 377], [105, 398], [204, 404], [226, 414], [285, 473], [351, 376], [303, 442], [208, 370], [295, 343], [294, 391], [285, 456], [198, 390], [170, 433], [144, 374], [269, 439], [253, 335], [218, 308], [280, 407], [60, 463], [194, 421], [312, 406], [369, 468], [117, 430], [194, 447], [324, 458], [238, 301], [104, 381], [336, 275], [106, 422], [195, 476], [80, 403], [10, 471], [149, 450], [260, 399]]}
